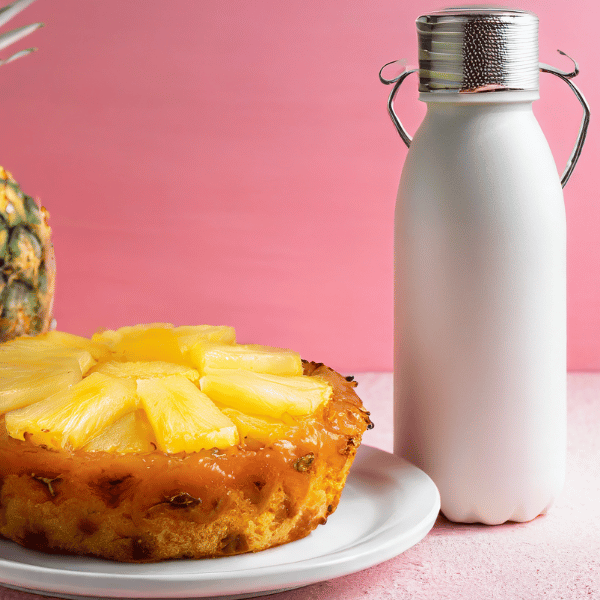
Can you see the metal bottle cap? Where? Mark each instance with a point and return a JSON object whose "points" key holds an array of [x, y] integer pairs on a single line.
{"points": [[478, 49]]}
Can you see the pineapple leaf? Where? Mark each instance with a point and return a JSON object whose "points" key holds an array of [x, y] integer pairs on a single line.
{"points": [[14, 8], [10, 37], [17, 55]]}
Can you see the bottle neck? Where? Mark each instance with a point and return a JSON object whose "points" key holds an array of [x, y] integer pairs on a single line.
{"points": [[480, 97]]}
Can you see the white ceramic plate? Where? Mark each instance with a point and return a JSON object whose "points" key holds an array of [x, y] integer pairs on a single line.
{"points": [[387, 506]]}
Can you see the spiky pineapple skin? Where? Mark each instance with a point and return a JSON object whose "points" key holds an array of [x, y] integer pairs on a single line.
{"points": [[27, 263]]}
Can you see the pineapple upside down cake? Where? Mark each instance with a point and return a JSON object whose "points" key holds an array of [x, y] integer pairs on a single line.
{"points": [[157, 442]]}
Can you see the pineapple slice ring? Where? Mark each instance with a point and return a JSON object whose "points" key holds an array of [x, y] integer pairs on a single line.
{"points": [[156, 456]]}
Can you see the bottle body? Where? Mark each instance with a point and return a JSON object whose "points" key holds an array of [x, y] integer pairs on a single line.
{"points": [[480, 310]]}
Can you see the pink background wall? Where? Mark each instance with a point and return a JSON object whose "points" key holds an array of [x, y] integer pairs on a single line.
{"points": [[233, 162]]}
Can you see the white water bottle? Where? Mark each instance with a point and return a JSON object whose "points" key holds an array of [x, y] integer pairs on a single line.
{"points": [[480, 307]]}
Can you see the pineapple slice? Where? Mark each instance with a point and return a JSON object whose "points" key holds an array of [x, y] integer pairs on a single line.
{"points": [[62, 338], [34, 351], [24, 385], [143, 343], [251, 357], [145, 370], [145, 393], [262, 429], [72, 417], [111, 337], [189, 335], [183, 418], [131, 433], [265, 394]]}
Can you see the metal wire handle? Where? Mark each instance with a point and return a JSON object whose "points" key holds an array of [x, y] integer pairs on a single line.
{"points": [[585, 121], [390, 105], [564, 75]]}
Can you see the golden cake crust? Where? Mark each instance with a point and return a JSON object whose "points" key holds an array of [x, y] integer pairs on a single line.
{"points": [[152, 507]]}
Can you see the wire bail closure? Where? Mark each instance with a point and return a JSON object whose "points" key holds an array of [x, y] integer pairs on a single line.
{"points": [[544, 68], [406, 138]]}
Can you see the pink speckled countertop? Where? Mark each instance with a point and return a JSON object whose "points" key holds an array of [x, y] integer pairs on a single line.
{"points": [[556, 556]]}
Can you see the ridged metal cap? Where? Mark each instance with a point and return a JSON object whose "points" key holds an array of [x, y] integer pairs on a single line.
{"points": [[473, 49]]}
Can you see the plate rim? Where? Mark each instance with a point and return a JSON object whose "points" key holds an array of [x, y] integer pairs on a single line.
{"points": [[380, 545]]}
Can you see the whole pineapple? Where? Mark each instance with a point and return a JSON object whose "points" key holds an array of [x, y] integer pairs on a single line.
{"points": [[27, 266]]}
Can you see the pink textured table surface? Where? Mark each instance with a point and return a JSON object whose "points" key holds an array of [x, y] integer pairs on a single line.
{"points": [[556, 556]]}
